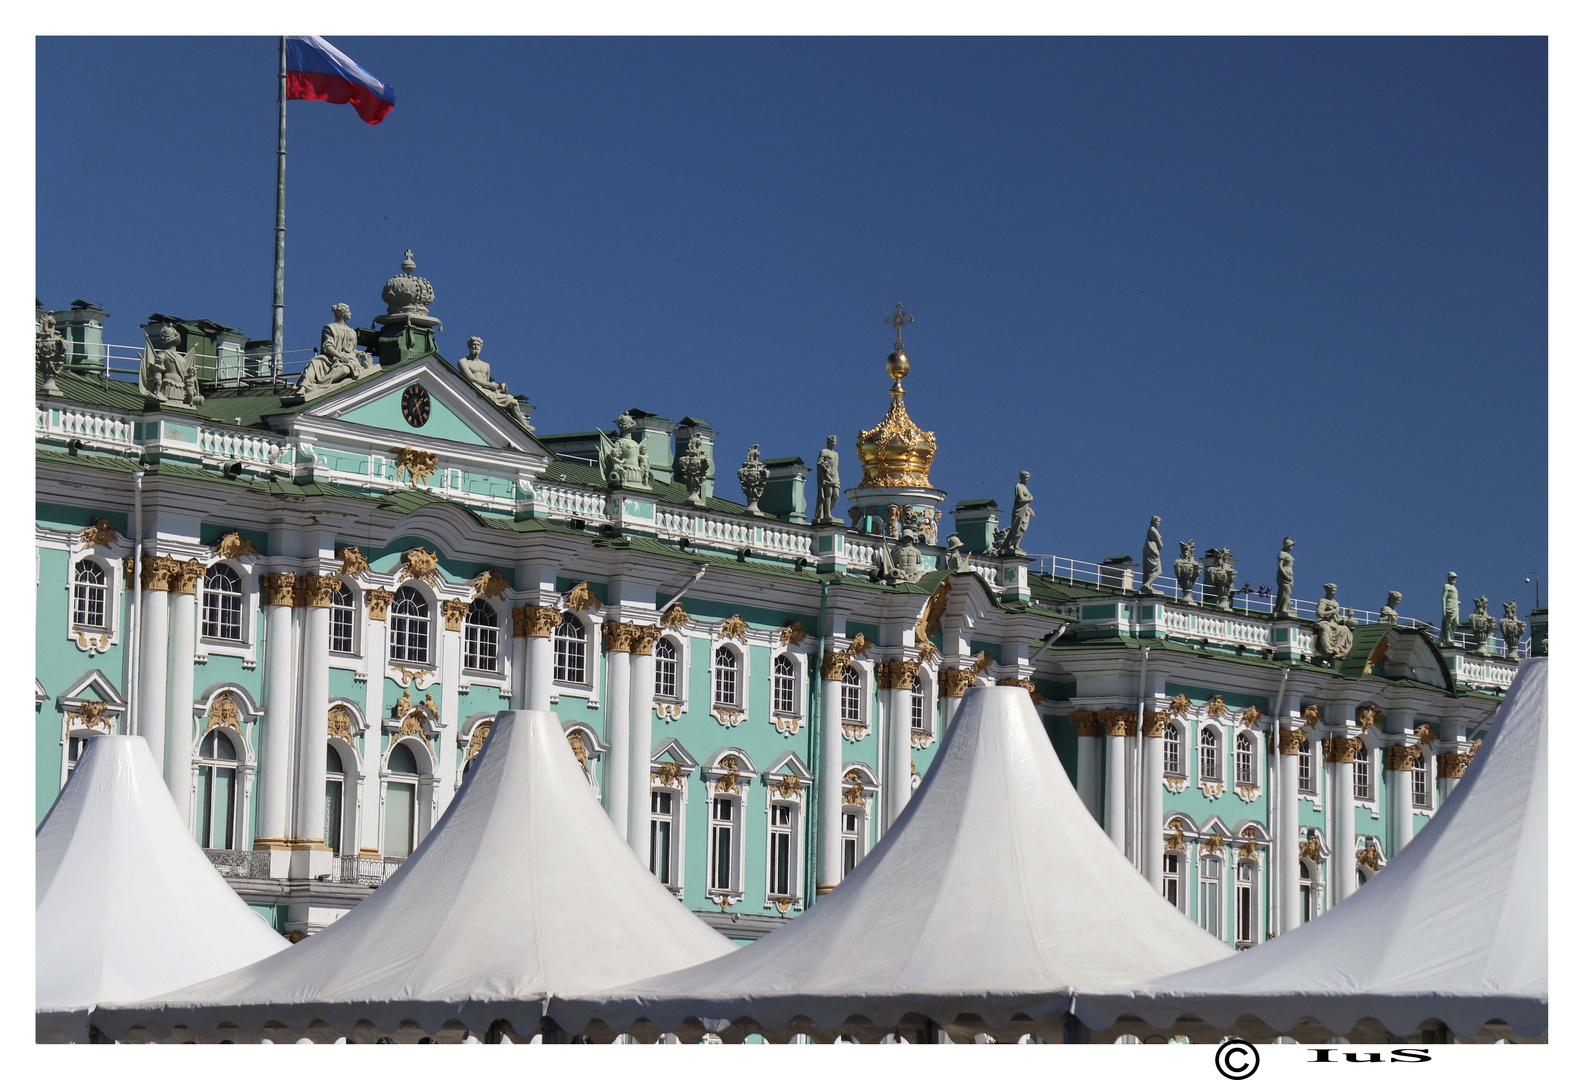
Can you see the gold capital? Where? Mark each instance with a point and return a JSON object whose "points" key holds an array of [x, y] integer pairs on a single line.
{"points": [[1452, 764], [1118, 722], [184, 577], [378, 603], [453, 611], [158, 571], [643, 639], [954, 682], [1154, 724], [896, 674], [1088, 727], [1401, 758], [1027, 684], [279, 589], [1341, 750], [535, 621], [320, 589], [1293, 740], [618, 637]]}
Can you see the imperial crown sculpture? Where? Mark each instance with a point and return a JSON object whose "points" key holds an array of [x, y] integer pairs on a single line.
{"points": [[896, 452]]}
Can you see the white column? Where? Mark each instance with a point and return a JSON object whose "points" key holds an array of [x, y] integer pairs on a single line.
{"points": [[641, 721], [154, 634], [618, 729], [829, 774], [179, 687], [519, 659], [1450, 763], [1153, 802], [953, 683], [314, 724], [279, 707], [1342, 864], [369, 809], [896, 680], [450, 720], [1116, 779], [540, 623], [1398, 763], [1089, 773], [1292, 743]]}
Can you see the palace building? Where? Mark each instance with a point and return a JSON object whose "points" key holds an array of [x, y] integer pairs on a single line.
{"points": [[344, 577]]}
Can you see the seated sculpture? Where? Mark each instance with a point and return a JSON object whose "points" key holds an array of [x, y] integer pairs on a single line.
{"points": [[624, 460], [1333, 629], [477, 372], [338, 360]]}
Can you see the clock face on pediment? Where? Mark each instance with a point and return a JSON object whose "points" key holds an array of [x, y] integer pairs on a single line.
{"points": [[415, 405]]}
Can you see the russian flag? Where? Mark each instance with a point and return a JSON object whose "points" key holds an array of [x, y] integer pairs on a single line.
{"points": [[317, 71]]}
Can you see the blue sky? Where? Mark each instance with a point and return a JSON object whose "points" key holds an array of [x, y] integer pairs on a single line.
{"points": [[1261, 287]]}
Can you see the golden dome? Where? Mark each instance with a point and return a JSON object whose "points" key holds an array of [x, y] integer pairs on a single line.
{"points": [[896, 452]]}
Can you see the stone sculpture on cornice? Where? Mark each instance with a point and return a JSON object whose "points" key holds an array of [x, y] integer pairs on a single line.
{"points": [[753, 477], [1512, 628], [1283, 608], [477, 372], [828, 467], [1388, 611], [1221, 576], [1451, 610], [624, 460], [692, 469], [1187, 568], [956, 555], [1152, 557], [168, 376], [1009, 541], [1482, 625], [338, 360], [49, 350], [1333, 629]]}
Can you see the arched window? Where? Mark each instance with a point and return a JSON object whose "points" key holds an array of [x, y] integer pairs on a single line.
{"points": [[1421, 780], [1306, 783], [1306, 890], [409, 627], [335, 789], [89, 592], [343, 620], [665, 655], [1363, 774], [850, 699], [1245, 759], [1244, 904], [481, 637], [1171, 749], [222, 603], [725, 676], [216, 791], [1210, 894], [1209, 754], [918, 706], [571, 652], [784, 685], [401, 802]]}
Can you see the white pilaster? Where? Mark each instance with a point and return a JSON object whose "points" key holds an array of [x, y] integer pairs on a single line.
{"points": [[1089, 773], [450, 676], [899, 756], [179, 699], [1342, 865], [641, 721], [829, 778], [618, 729], [279, 707], [313, 727], [1153, 802], [1286, 830], [152, 663], [1116, 786]]}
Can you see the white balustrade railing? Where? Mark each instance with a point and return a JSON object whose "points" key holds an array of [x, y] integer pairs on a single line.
{"points": [[240, 446], [788, 542], [573, 502], [73, 422]]}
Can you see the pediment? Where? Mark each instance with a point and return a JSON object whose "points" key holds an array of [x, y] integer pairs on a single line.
{"points": [[457, 412]]}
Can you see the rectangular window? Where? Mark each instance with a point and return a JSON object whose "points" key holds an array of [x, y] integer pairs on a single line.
{"points": [[916, 700], [401, 812], [1421, 780], [332, 821], [781, 832], [852, 840], [88, 597], [850, 713], [1363, 789], [1171, 879], [216, 806], [569, 658], [665, 670], [1210, 896], [481, 647], [341, 627], [722, 843], [1245, 903], [1306, 783], [660, 823], [785, 690], [1171, 750], [725, 677]]}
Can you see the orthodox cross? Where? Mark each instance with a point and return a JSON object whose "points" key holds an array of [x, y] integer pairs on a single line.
{"points": [[898, 319]]}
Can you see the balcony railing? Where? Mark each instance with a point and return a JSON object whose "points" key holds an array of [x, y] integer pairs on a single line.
{"points": [[356, 870], [239, 864]]}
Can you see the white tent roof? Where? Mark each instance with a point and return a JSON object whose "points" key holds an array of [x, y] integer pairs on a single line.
{"points": [[993, 892], [126, 905], [523, 887], [1453, 928]]}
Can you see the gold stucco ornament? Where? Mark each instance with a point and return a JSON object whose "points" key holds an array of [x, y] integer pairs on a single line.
{"points": [[896, 452]]}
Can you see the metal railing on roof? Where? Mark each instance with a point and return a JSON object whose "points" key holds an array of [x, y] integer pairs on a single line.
{"points": [[232, 368]]}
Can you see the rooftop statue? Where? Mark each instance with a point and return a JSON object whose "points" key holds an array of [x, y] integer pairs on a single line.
{"points": [[956, 555], [1450, 610], [1284, 581], [168, 376], [50, 352], [338, 360], [1152, 557], [1187, 568], [1333, 629], [624, 461], [1388, 611], [477, 372], [903, 565], [828, 467], [753, 476], [1512, 628], [1008, 541], [1221, 576], [692, 469], [1482, 625]]}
